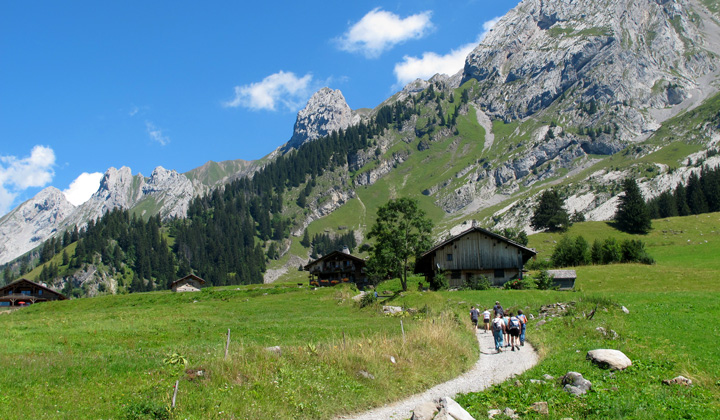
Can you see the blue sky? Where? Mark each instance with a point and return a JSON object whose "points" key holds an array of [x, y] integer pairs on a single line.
{"points": [[88, 85]]}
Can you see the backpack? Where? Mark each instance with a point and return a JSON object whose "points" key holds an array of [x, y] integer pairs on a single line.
{"points": [[514, 322], [498, 324]]}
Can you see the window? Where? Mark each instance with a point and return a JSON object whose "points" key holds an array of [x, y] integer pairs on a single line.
{"points": [[25, 292], [39, 292], [499, 273], [449, 257]]}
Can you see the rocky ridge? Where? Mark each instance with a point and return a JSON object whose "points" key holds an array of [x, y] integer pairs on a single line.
{"points": [[325, 112]]}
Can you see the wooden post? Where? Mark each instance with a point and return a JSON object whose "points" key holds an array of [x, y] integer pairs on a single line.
{"points": [[403, 330], [175, 393], [343, 340], [227, 343]]}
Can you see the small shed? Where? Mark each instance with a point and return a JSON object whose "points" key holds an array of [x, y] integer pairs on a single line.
{"points": [[563, 279], [24, 292], [190, 283]]}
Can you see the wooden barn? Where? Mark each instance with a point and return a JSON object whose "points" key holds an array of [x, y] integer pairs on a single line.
{"points": [[563, 279], [475, 252], [24, 292], [337, 267], [190, 283]]}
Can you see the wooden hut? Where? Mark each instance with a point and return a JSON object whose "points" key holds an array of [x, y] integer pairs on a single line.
{"points": [[337, 267], [475, 252], [563, 279], [24, 292], [189, 283]]}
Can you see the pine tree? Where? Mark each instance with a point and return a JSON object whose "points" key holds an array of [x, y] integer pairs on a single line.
{"points": [[632, 214], [305, 241], [549, 213]]}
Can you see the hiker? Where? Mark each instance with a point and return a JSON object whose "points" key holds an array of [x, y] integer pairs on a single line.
{"points": [[498, 309], [514, 331], [474, 313], [486, 320], [498, 328], [506, 320], [523, 321]]}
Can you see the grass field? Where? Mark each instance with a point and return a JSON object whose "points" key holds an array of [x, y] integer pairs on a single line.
{"points": [[119, 356]]}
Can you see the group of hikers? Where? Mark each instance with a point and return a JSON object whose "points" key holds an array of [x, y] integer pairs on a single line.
{"points": [[508, 329]]}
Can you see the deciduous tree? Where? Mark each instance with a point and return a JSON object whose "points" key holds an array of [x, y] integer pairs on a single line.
{"points": [[401, 232]]}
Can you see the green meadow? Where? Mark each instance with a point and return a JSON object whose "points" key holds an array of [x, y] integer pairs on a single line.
{"points": [[120, 356]]}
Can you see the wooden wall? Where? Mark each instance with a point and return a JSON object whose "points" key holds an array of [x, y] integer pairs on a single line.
{"points": [[476, 251]]}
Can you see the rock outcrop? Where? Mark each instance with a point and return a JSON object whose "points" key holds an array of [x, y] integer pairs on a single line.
{"points": [[325, 112], [595, 58], [33, 221]]}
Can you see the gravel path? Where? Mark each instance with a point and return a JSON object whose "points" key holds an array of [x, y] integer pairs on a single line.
{"points": [[491, 368]]}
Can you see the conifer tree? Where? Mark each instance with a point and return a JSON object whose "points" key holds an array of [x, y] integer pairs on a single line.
{"points": [[549, 213], [632, 214]]}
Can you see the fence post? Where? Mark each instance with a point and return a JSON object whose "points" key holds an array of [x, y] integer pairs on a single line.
{"points": [[403, 330], [227, 343], [177, 383]]}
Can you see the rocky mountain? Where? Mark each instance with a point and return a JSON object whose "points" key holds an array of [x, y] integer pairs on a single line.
{"points": [[570, 94], [325, 112], [621, 57], [165, 192], [33, 221]]}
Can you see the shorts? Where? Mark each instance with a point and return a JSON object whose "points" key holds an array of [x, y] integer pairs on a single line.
{"points": [[487, 321], [515, 332], [474, 321]]}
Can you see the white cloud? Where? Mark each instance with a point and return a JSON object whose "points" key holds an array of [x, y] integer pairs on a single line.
{"points": [[281, 88], [379, 31], [83, 187], [156, 134], [431, 63], [17, 175]]}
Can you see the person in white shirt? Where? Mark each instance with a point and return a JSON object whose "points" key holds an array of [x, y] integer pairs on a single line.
{"points": [[486, 320]]}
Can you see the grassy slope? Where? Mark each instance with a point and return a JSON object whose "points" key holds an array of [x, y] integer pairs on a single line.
{"points": [[111, 349]]}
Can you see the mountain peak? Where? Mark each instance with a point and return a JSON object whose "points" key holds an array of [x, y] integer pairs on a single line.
{"points": [[325, 112]]}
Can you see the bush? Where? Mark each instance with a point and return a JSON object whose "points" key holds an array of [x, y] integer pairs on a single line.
{"points": [[368, 299], [439, 281], [477, 283], [520, 284], [544, 281]]}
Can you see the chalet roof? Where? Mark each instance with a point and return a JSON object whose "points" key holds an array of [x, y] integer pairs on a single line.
{"points": [[562, 274], [16, 283], [524, 249], [335, 254], [188, 277]]}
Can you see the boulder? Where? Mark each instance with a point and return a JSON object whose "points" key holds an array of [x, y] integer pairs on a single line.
{"points": [[626, 310], [678, 380], [392, 309], [424, 411], [454, 409], [575, 384], [541, 407], [365, 374], [274, 349], [548, 377], [609, 359]]}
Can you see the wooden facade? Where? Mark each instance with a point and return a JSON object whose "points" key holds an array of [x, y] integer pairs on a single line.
{"points": [[190, 283], [476, 252], [563, 279], [337, 267], [24, 292]]}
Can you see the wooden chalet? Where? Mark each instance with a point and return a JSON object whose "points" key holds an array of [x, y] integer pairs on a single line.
{"points": [[189, 283], [337, 267], [563, 279], [24, 292], [475, 252]]}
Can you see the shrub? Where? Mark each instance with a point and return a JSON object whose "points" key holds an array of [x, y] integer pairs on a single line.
{"points": [[439, 281], [477, 283], [368, 299], [544, 281]]}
